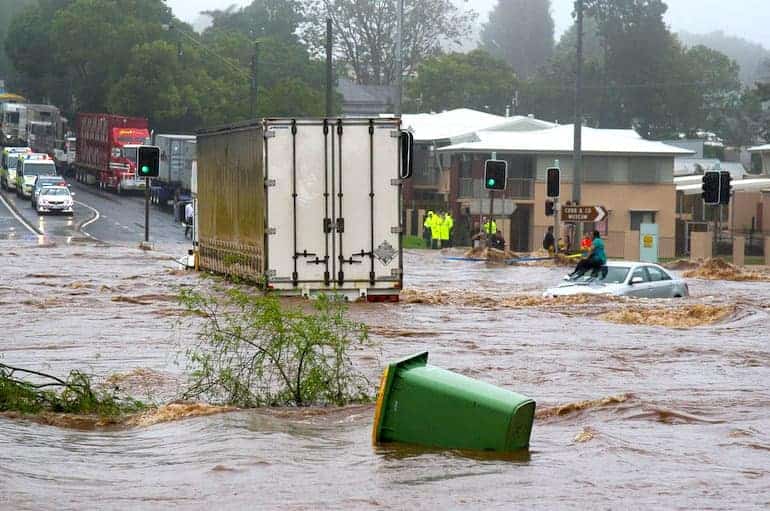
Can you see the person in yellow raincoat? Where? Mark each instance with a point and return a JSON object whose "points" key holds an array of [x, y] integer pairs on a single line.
{"points": [[446, 229], [427, 224], [437, 223]]}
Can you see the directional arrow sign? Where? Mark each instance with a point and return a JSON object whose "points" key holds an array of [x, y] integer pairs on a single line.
{"points": [[583, 213]]}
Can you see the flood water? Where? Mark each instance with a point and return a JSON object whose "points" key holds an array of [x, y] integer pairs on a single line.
{"points": [[675, 418]]}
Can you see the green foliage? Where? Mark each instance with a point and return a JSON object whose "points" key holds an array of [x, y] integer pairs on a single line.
{"points": [[520, 32], [463, 80], [116, 56], [76, 395], [636, 73], [255, 352], [414, 242]]}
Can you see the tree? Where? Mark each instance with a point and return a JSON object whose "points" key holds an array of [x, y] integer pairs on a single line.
{"points": [[8, 10], [277, 19], [473, 80], [365, 33], [521, 33]]}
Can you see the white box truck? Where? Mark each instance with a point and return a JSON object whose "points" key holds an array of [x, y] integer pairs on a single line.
{"points": [[177, 154], [305, 206]]}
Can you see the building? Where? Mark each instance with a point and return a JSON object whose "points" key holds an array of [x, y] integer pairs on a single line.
{"points": [[631, 177], [763, 153], [429, 188]]}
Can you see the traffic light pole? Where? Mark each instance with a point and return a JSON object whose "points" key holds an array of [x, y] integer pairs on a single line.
{"points": [[491, 218], [147, 210]]}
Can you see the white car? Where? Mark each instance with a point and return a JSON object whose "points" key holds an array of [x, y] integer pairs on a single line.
{"points": [[55, 199], [624, 278]]}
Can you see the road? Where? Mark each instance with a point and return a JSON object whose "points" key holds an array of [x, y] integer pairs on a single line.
{"points": [[98, 215]]}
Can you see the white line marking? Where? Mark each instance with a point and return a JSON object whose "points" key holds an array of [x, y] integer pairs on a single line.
{"points": [[17, 217], [96, 217]]}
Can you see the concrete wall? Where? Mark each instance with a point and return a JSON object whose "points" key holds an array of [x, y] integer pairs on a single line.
{"points": [[744, 208], [619, 200]]}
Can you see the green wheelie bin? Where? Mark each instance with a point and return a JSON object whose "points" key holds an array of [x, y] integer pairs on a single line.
{"points": [[425, 405]]}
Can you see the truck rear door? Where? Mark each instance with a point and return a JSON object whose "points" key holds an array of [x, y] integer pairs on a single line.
{"points": [[367, 201], [333, 205]]}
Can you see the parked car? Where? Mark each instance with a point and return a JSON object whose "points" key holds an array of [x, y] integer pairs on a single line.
{"points": [[43, 182], [55, 199], [625, 278]]}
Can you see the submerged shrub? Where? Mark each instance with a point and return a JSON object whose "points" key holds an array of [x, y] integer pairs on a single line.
{"points": [[253, 351], [30, 392]]}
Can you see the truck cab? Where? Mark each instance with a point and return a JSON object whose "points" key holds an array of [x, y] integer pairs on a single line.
{"points": [[28, 168], [8, 166], [123, 157]]}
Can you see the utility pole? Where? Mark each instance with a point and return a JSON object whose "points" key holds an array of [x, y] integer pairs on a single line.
{"points": [[399, 57], [577, 158], [329, 70], [254, 80]]}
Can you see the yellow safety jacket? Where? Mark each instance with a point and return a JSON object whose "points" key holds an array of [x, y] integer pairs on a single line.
{"points": [[490, 228], [446, 227], [436, 225]]}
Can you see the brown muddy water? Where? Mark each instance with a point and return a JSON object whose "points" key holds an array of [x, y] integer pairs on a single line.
{"points": [[629, 415]]}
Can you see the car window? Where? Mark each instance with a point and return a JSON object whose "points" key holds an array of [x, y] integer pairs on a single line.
{"points": [[657, 275], [615, 275], [55, 191], [641, 272]]}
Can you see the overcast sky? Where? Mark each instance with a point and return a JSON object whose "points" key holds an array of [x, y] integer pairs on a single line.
{"points": [[746, 18]]}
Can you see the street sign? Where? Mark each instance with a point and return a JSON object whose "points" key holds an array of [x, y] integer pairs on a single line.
{"points": [[583, 213]]}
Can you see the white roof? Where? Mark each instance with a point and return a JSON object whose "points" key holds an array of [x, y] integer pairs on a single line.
{"points": [[747, 185], [759, 148], [448, 125], [560, 139]]}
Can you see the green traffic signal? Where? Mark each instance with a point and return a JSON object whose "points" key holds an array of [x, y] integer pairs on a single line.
{"points": [[491, 183], [145, 169]]}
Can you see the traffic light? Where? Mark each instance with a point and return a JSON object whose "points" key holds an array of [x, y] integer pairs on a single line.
{"points": [[711, 188], [553, 178], [725, 187], [549, 208], [148, 164], [495, 174]]}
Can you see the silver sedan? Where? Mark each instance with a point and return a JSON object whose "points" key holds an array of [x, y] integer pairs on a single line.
{"points": [[625, 278]]}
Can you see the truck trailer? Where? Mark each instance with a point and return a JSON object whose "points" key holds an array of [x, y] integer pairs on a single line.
{"points": [[107, 150], [172, 186], [303, 207]]}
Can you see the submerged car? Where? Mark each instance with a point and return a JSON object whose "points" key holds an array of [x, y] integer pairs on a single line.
{"points": [[55, 199], [624, 278]]}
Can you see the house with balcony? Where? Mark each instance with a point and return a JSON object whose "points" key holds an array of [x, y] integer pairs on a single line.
{"points": [[431, 185], [631, 177]]}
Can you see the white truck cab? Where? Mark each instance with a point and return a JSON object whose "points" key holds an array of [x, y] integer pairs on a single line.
{"points": [[28, 168]]}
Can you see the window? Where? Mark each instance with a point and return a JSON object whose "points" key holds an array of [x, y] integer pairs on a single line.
{"points": [[643, 170], [642, 273], [466, 168], [641, 217], [597, 170], [657, 275]]}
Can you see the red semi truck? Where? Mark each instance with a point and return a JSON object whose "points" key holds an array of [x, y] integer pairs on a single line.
{"points": [[107, 147]]}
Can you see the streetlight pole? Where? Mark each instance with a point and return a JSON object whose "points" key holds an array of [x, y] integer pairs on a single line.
{"points": [[399, 57], [254, 79], [577, 158]]}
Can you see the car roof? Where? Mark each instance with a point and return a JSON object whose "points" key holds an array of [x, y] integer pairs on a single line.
{"points": [[55, 188]]}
